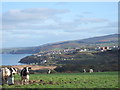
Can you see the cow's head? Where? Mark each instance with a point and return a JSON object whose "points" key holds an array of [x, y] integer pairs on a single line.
{"points": [[27, 69]]}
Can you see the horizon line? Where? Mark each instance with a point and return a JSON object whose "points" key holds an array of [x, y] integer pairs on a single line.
{"points": [[58, 42]]}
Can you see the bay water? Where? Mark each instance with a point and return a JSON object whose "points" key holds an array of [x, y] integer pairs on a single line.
{"points": [[11, 59]]}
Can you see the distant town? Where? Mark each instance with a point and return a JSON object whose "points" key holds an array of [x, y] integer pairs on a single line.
{"points": [[68, 51], [52, 53]]}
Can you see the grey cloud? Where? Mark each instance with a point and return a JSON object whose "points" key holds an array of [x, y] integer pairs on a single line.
{"points": [[35, 18], [72, 26], [44, 11], [31, 15], [113, 24], [108, 25]]}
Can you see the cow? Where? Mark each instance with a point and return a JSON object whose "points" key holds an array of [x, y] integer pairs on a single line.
{"points": [[84, 70], [91, 70], [49, 71], [25, 75], [7, 75]]}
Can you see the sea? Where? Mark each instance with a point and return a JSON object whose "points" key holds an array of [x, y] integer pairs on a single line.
{"points": [[11, 59]]}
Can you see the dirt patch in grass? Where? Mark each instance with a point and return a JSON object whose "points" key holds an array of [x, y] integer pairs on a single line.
{"points": [[18, 82], [34, 67]]}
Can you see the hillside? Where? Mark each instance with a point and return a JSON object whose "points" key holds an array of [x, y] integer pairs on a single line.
{"points": [[102, 39], [108, 40], [103, 61]]}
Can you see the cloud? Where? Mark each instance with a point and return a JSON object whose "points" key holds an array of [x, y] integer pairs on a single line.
{"points": [[44, 19], [38, 22], [108, 25], [53, 33], [105, 27], [31, 16]]}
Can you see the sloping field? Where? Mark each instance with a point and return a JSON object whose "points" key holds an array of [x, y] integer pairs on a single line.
{"points": [[69, 80]]}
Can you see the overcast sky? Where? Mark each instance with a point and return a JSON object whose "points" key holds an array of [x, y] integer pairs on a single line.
{"points": [[33, 24]]}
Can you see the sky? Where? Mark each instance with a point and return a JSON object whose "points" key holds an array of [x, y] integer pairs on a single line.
{"points": [[26, 24]]}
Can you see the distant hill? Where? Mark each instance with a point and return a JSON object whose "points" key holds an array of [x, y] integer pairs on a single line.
{"points": [[108, 40], [101, 39], [77, 61]]}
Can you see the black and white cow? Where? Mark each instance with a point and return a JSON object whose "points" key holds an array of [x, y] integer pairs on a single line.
{"points": [[91, 70], [84, 70], [25, 75], [7, 75], [49, 71]]}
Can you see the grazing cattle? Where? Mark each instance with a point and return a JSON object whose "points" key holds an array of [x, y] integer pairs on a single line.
{"points": [[7, 75], [25, 75], [84, 70], [91, 70]]}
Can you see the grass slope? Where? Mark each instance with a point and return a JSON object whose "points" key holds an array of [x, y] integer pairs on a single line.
{"points": [[71, 80]]}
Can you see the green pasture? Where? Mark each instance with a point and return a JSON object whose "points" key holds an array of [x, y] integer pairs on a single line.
{"points": [[70, 80]]}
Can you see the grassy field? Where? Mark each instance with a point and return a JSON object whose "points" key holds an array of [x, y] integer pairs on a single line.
{"points": [[70, 80]]}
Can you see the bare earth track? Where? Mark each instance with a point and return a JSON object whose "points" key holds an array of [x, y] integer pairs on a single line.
{"points": [[34, 67]]}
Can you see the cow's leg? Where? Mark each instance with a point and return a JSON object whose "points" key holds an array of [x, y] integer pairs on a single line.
{"points": [[5, 80], [1, 80], [22, 80], [27, 81], [11, 80], [27, 78]]}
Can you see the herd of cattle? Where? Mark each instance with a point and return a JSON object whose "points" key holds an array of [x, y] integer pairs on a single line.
{"points": [[7, 75]]}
